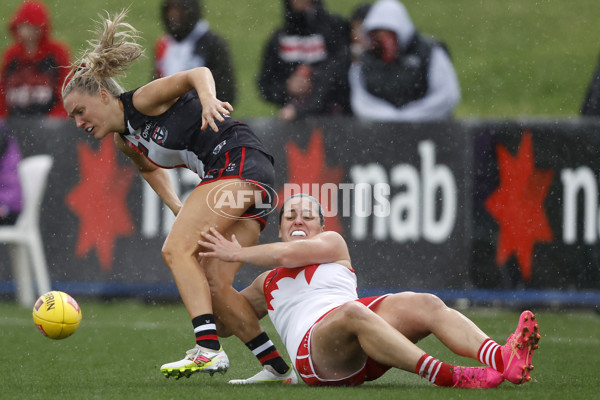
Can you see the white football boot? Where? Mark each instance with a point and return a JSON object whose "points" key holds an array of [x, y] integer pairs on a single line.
{"points": [[198, 359], [269, 375]]}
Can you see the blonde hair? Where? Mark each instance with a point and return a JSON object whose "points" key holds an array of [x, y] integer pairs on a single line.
{"points": [[110, 55]]}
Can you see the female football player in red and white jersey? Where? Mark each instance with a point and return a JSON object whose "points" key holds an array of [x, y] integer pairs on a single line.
{"points": [[335, 338]]}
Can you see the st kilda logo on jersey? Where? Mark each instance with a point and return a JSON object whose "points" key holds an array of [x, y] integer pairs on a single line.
{"points": [[159, 135]]}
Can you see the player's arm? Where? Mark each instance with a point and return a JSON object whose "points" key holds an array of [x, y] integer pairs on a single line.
{"points": [[158, 96], [322, 248], [256, 296], [158, 178]]}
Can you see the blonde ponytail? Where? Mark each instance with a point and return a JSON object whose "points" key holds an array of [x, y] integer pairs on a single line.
{"points": [[109, 57]]}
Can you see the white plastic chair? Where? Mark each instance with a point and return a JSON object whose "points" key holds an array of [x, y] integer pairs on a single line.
{"points": [[24, 238]]}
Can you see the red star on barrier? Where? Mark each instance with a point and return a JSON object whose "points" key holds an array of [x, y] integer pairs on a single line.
{"points": [[518, 205], [100, 202], [309, 168]]}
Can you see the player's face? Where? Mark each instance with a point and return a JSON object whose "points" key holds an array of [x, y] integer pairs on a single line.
{"points": [[300, 220], [29, 35], [175, 15], [90, 112]]}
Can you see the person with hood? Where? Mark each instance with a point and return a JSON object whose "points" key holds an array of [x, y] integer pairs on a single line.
{"points": [[190, 43], [305, 62], [34, 66], [403, 76]]}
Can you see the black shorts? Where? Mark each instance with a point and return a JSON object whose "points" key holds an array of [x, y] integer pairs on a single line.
{"points": [[251, 165]]}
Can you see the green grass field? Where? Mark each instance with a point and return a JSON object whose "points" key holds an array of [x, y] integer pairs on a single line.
{"points": [[120, 345], [513, 58]]}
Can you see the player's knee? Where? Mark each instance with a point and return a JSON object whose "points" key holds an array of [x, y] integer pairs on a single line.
{"points": [[173, 251], [355, 311], [430, 302], [167, 254]]}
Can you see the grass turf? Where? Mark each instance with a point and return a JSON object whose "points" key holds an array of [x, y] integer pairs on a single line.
{"points": [[120, 345]]}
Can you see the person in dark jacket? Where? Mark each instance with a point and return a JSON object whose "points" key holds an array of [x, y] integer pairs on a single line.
{"points": [[305, 62], [33, 67], [403, 76], [189, 43]]}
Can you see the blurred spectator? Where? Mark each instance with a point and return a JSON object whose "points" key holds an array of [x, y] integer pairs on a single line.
{"points": [[403, 76], [11, 200], [306, 61], [591, 105], [33, 67], [190, 43], [358, 38]]}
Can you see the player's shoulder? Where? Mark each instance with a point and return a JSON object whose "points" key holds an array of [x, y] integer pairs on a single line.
{"points": [[332, 237], [330, 234]]}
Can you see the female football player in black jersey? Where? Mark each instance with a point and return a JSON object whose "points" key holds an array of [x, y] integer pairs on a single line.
{"points": [[177, 121]]}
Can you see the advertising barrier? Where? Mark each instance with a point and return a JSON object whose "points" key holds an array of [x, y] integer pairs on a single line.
{"points": [[494, 211], [535, 208]]}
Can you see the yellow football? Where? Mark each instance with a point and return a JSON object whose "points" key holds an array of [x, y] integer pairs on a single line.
{"points": [[56, 314]]}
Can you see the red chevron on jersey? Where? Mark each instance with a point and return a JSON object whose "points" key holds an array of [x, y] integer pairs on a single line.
{"points": [[279, 273]]}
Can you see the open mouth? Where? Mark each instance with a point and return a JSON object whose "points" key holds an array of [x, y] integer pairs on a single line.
{"points": [[90, 129], [298, 233]]}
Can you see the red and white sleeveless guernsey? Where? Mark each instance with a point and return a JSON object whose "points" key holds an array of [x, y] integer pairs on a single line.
{"points": [[298, 297]]}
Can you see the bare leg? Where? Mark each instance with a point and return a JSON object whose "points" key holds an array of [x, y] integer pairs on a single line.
{"points": [[201, 280], [416, 315], [181, 246], [341, 341], [344, 338], [230, 307]]}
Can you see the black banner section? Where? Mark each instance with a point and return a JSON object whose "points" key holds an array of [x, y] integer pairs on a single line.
{"points": [[452, 207], [535, 205]]}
